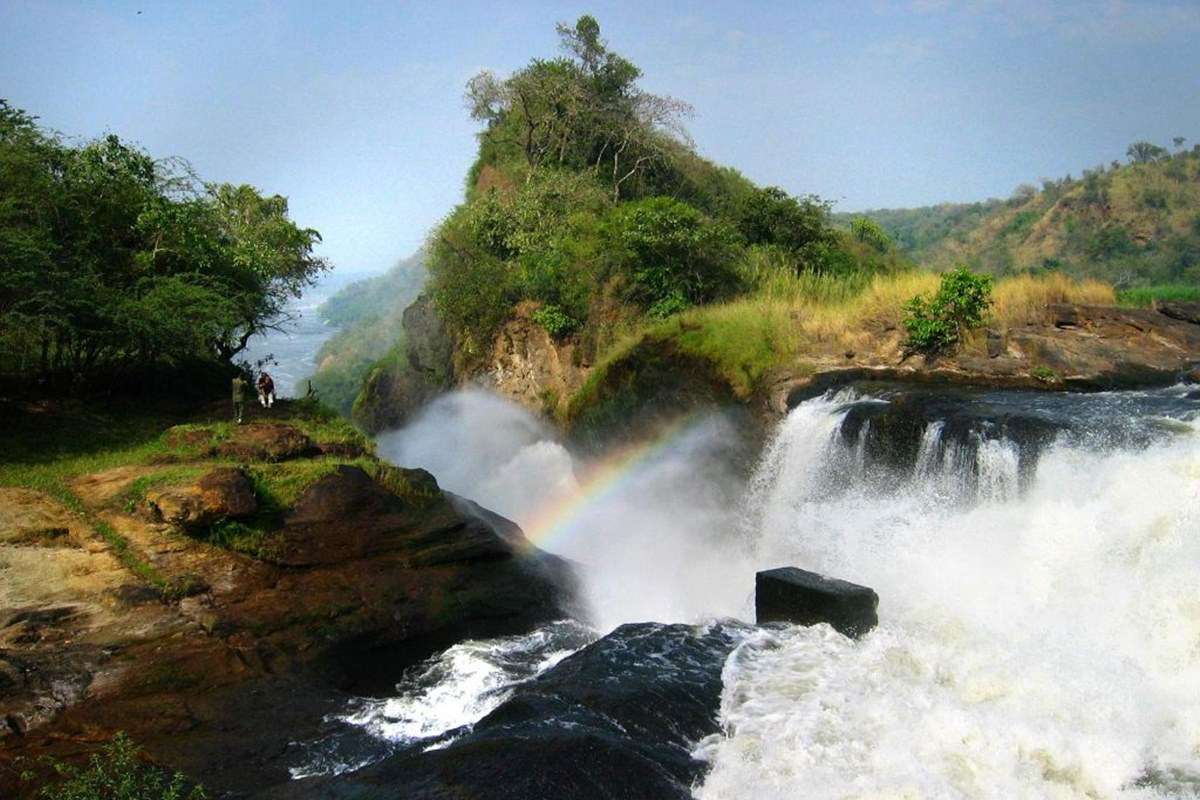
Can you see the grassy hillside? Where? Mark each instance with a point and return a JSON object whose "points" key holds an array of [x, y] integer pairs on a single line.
{"points": [[369, 313], [1135, 224]]}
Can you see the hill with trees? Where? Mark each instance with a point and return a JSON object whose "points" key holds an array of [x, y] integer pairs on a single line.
{"points": [[369, 314], [589, 211], [118, 269], [1134, 224], [588, 199]]}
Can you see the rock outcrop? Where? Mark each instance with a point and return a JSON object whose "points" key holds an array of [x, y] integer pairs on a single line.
{"points": [[223, 493], [1184, 312], [530, 368], [397, 387], [788, 594], [1076, 347], [214, 652], [574, 731]]}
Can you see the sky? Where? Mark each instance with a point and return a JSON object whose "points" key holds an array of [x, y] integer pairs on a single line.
{"points": [[354, 110]]}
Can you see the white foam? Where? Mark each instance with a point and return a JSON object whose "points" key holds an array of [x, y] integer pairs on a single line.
{"points": [[1042, 643]]}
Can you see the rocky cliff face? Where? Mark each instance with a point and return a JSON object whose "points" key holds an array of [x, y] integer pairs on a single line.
{"points": [[396, 388], [139, 613], [528, 367]]}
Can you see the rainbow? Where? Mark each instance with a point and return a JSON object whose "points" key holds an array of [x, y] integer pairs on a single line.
{"points": [[558, 520]]}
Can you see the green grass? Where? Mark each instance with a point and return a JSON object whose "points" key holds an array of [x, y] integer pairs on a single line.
{"points": [[251, 538], [280, 485], [1146, 296], [49, 445], [324, 425]]}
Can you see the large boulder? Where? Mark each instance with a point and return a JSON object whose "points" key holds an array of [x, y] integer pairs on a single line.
{"points": [[223, 493], [788, 594]]}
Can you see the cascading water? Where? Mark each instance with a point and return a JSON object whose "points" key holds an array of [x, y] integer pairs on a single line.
{"points": [[1035, 556], [1034, 643]]}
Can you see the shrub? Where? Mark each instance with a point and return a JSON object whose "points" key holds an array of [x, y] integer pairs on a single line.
{"points": [[936, 323], [672, 254], [117, 773], [1044, 374], [555, 321]]}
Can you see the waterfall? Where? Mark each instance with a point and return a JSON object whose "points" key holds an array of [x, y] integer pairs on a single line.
{"points": [[1039, 636]]}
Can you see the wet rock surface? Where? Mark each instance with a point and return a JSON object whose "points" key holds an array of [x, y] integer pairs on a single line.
{"points": [[618, 719], [788, 594]]}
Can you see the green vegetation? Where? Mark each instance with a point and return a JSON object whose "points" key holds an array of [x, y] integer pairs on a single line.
{"points": [[1147, 296], [792, 321], [370, 315], [117, 772], [1044, 374], [1133, 225], [49, 448], [114, 264], [555, 321], [588, 202], [936, 323]]}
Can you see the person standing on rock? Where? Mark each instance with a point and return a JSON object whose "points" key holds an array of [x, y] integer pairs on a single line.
{"points": [[239, 399], [266, 390]]}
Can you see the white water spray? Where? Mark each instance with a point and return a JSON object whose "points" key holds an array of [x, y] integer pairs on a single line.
{"points": [[658, 543], [1042, 643]]}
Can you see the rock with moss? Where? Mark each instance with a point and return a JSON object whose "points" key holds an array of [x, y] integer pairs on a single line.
{"points": [[230, 623], [223, 493]]}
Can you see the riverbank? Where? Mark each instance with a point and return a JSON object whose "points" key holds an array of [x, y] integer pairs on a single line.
{"points": [[211, 589]]}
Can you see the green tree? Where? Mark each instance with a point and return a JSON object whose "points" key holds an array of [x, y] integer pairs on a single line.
{"points": [[1144, 152], [110, 259], [871, 233], [772, 216], [671, 254], [582, 111], [935, 324]]}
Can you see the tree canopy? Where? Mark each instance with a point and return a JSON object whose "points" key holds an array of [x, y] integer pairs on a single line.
{"points": [[111, 260], [589, 200]]}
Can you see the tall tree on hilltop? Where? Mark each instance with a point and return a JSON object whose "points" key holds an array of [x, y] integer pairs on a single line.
{"points": [[580, 111]]}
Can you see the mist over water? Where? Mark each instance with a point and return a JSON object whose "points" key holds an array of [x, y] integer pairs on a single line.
{"points": [[1039, 618], [657, 541]]}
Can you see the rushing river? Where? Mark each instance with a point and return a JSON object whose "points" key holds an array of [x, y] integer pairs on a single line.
{"points": [[1036, 557]]}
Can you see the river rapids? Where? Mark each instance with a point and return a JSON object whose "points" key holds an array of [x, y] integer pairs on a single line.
{"points": [[1036, 557]]}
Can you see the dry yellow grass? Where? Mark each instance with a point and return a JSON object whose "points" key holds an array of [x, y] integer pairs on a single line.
{"points": [[798, 319], [811, 317], [1022, 298]]}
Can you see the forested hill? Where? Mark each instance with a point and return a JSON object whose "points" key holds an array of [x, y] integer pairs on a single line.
{"points": [[368, 313], [1133, 223]]}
